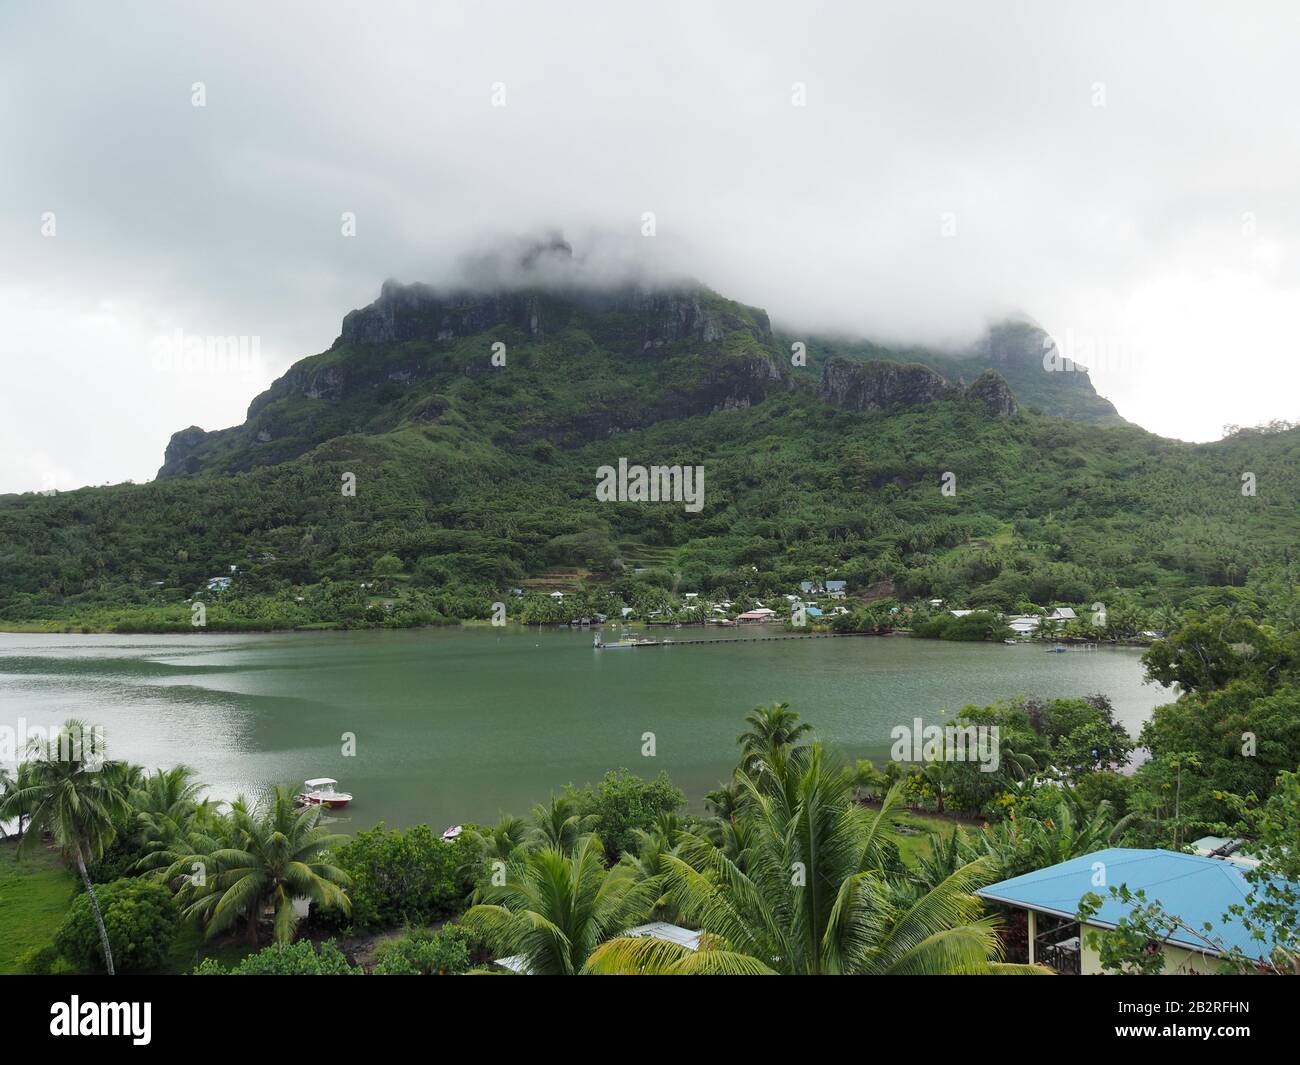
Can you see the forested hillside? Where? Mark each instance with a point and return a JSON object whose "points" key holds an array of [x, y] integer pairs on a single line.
{"points": [[474, 424]]}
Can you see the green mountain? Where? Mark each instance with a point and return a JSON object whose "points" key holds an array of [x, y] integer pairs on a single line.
{"points": [[1019, 350], [472, 476]]}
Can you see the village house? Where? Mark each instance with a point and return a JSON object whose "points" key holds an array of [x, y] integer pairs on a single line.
{"points": [[1196, 889], [837, 589], [761, 614]]}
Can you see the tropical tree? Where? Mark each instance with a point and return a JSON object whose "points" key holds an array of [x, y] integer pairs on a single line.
{"points": [[815, 897], [555, 908], [724, 800], [70, 792], [7, 783], [275, 854], [165, 804], [1022, 844], [557, 823], [771, 729], [499, 841]]}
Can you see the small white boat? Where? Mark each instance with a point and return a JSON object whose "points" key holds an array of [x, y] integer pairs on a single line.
{"points": [[626, 642], [452, 833], [321, 791]]}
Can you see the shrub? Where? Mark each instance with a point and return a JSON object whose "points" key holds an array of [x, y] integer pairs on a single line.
{"points": [[141, 920], [39, 961], [293, 959], [622, 803], [426, 952], [406, 878]]}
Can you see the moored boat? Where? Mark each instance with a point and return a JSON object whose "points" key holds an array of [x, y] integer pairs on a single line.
{"points": [[618, 645], [322, 791]]}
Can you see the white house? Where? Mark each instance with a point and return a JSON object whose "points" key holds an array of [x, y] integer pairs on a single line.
{"points": [[218, 584], [1063, 613], [836, 589], [1025, 624]]}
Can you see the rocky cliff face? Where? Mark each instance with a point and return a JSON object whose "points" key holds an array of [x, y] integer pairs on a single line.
{"points": [[1031, 362], [1017, 342], [419, 312], [656, 317], [658, 354], [880, 385], [180, 457], [991, 391]]}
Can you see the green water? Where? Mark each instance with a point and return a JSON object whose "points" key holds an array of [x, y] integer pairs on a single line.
{"points": [[463, 724]]}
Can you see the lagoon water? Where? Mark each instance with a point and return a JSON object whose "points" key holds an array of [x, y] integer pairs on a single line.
{"points": [[463, 724]]}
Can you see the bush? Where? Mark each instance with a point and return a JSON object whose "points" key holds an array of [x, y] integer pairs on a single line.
{"points": [[141, 920], [293, 959], [979, 625], [406, 878], [622, 803], [426, 952], [39, 961]]}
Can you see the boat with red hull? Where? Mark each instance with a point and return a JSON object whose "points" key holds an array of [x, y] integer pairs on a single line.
{"points": [[322, 791]]}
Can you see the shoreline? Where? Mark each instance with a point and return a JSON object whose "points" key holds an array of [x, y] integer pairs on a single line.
{"points": [[72, 629]]}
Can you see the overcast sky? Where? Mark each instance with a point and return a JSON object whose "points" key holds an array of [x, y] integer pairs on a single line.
{"points": [[1127, 174]]}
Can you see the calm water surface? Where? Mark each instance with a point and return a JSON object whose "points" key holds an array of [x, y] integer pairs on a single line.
{"points": [[464, 724]]}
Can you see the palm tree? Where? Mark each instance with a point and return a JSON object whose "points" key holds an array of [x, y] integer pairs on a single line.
{"points": [[939, 775], [556, 908], [275, 854], [663, 837], [7, 784], [501, 840], [69, 791], [724, 800], [771, 728], [164, 803], [556, 824], [814, 897], [1019, 845]]}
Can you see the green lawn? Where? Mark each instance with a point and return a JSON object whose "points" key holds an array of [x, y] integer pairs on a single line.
{"points": [[34, 897], [189, 948], [919, 845]]}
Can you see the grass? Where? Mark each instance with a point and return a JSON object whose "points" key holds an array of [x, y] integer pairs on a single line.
{"points": [[34, 897], [189, 948], [915, 846]]}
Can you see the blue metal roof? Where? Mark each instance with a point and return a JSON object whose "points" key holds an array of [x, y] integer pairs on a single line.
{"points": [[1196, 889]]}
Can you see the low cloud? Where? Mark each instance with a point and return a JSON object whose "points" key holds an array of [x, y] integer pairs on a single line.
{"points": [[902, 172]]}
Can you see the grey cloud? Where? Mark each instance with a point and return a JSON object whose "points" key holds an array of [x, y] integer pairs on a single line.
{"points": [[1098, 220]]}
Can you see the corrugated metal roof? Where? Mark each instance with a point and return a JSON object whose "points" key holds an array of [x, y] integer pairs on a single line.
{"points": [[670, 933], [1197, 890]]}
